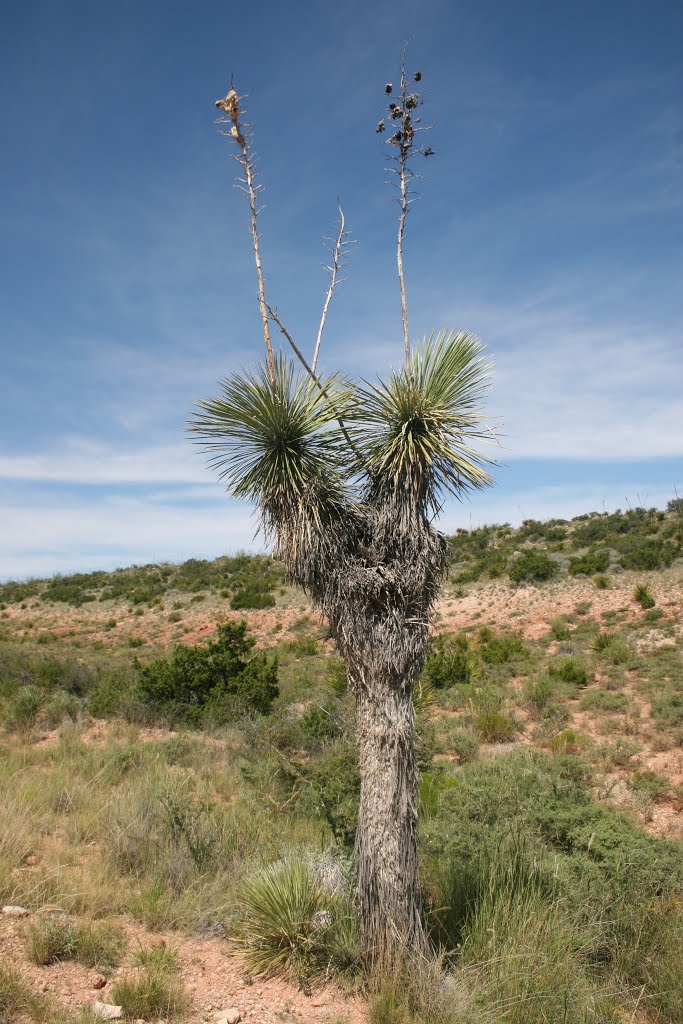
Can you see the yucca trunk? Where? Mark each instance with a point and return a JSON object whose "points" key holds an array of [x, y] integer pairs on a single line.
{"points": [[386, 839]]}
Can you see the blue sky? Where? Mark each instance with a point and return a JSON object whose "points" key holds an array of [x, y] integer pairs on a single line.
{"points": [[551, 224]]}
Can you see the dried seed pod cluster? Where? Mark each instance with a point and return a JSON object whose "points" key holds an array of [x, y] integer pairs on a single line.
{"points": [[403, 112]]}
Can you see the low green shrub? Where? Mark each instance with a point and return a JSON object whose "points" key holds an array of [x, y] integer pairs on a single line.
{"points": [[251, 597], [534, 814], [330, 786], [604, 700], [656, 787], [611, 647], [450, 661], [303, 646], [567, 742], [336, 676], [219, 680], [593, 562], [157, 958], [532, 567], [649, 555], [15, 593], [23, 708], [570, 670], [500, 648], [16, 996], [454, 738], [320, 723], [667, 710], [539, 692], [559, 630], [494, 727]]}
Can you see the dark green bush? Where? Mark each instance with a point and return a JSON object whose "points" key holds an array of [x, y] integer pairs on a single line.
{"points": [[570, 670], [76, 589], [668, 709], [613, 877], [590, 532], [494, 727], [591, 563], [251, 596], [330, 786], [450, 661], [320, 723], [649, 555], [499, 648], [15, 593], [219, 680], [532, 567]]}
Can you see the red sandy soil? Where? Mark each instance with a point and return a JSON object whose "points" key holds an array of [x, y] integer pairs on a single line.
{"points": [[213, 980]]}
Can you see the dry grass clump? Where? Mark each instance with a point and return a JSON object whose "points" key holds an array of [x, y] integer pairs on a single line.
{"points": [[151, 994], [53, 939]]}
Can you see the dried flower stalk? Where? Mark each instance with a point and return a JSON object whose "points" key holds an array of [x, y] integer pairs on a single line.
{"points": [[231, 108]]}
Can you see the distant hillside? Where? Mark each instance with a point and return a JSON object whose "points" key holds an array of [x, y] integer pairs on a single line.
{"points": [[598, 542], [592, 544], [246, 580]]}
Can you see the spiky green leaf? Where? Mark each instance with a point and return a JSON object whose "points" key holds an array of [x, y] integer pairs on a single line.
{"points": [[421, 430]]}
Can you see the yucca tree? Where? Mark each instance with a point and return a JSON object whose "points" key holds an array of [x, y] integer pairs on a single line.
{"points": [[348, 478]]}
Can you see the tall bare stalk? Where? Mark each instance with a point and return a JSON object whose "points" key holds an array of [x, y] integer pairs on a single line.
{"points": [[231, 107], [341, 241], [403, 140], [404, 149]]}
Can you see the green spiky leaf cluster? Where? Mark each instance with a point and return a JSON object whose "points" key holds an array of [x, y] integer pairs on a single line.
{"points": [[273, 440], [289, 443], [419, 428], [291, 926]]}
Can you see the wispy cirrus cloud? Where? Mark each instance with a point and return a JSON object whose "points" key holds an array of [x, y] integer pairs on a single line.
{"points": [[81, 461], [42, 538]]}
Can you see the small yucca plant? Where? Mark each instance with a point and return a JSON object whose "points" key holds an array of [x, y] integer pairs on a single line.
{"points": [[290, 925], [644, 596], [611, 647]]}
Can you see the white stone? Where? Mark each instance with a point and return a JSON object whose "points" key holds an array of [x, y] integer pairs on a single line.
{"points": [[106, 1011], [15, 911], [230, 1016]]}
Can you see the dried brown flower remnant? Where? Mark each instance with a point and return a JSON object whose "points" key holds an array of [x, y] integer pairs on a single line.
{"points": [[380, 127], [388, 87], [230, 105], [418, 76]]}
